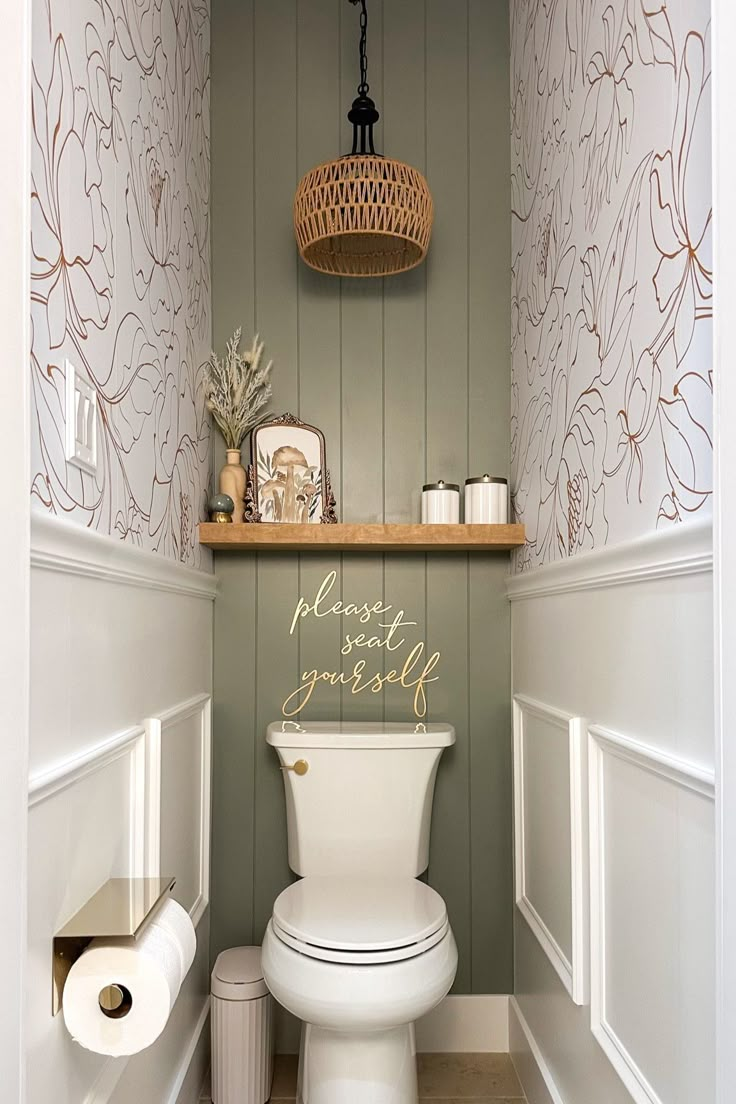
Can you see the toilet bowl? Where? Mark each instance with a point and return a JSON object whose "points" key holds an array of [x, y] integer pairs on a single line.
{"points": [[358, 961], [358, 949]]}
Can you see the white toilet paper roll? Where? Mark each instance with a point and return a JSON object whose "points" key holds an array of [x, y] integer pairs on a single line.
{"points": [[148, 973]]}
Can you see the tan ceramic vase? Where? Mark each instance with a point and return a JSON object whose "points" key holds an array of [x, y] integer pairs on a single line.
{"points": [[232, 482]]}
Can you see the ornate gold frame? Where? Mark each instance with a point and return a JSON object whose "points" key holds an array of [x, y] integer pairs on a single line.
{"points": [[252, 513]]}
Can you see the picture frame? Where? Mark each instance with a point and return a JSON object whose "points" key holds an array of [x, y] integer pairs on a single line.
{"points": [[287, 480]]}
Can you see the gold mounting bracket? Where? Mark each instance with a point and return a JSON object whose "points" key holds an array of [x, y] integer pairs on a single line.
{"points": [[122, 907]]}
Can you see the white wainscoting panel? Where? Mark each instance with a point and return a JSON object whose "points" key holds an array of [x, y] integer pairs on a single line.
{"points": [[652, 884], [550, 836], [119, 636], [179, 776], [86, 824]]}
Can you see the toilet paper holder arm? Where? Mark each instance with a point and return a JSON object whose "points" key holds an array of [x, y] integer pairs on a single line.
{"points": [[121, 907]]}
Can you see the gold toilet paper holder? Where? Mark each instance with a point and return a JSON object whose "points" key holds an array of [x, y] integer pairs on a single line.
{"points": [[122, 907]]}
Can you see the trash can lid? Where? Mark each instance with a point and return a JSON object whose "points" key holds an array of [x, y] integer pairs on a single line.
{"points": [[238, 976]]}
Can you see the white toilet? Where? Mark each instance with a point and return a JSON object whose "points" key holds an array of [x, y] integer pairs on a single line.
{"points": [[359, 949]]}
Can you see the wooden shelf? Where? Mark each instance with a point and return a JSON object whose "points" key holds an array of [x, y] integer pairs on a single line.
{"points": [[270, 537]]}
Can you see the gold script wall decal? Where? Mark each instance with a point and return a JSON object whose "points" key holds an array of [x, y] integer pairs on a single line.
{"points": [[382, 633]]}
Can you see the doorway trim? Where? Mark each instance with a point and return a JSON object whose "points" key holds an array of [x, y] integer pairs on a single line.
{"points": [[724, 537]]}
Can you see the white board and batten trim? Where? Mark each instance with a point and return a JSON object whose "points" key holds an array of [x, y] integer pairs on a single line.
{"points": [[63, 546], [529, 1062], [192, 1069], [571, 970], [603, 742], [476, 1023], [199, 706], [682, 550], [53, 780], [723, 80], [466, 1024]]}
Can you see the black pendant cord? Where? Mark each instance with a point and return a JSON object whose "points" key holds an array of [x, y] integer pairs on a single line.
{"points": [[363, 113], [363, 87]]}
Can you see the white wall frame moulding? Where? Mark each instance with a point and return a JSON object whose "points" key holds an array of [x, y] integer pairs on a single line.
{"points": [[175, 1094], [106, 1081], [572, 973], [532, 1069], [686, 775], [201, 706], [47, 784], [60, 545], [723, 80], [685, 549]]}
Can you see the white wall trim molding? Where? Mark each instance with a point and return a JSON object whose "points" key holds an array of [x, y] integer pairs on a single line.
{"points": [[68, 772], [476, 1023], [685, 549], [529, 1062], [573, 974], [60, 545], [106, 1081], [176, 1096], [200, 705], [687, 776], [723, 40]]}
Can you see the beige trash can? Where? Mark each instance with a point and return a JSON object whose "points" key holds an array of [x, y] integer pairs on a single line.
{"points": [[242, 1029]]}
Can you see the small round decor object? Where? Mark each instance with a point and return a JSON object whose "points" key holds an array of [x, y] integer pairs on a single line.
{"points": [[221, 508]]}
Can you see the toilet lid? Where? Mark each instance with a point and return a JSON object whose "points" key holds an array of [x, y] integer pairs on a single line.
{"points": [[359, 915]]}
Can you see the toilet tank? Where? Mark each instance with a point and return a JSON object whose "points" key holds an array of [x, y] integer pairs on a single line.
{"points": [[364, 804]]}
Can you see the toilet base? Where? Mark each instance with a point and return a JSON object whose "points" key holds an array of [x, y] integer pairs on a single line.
{"points": [[378, 1067]]}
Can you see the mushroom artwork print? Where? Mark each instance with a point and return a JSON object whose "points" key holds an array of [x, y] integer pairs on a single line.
{"points": [[288, 465]]}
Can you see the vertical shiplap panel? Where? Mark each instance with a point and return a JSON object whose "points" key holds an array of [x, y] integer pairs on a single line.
{"points": [[276, 668], [447, 442], [233, 305], [488, 436], [362, 382], [318, 140], [404, 329], [404, 295], [383, 368]]}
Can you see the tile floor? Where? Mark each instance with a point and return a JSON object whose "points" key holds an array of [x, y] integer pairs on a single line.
{"points": [[443, 1079]]}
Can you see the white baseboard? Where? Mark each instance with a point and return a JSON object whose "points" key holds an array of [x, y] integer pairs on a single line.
{"points": [[472, 1024], [475, 1024], [529, 1062], [194, 1063]]}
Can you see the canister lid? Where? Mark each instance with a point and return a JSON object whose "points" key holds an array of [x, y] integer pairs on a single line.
{"points": [[441, 486], [238, 975], [486, 479]]}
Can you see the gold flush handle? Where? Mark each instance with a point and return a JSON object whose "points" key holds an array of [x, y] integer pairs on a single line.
{"points": [[300, 767]]}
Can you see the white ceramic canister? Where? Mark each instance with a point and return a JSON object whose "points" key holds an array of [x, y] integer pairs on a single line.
{"points": [[440, 503], [486, 500]]}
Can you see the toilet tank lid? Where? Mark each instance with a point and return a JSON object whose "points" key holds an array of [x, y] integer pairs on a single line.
{"points": [[358, 734]]}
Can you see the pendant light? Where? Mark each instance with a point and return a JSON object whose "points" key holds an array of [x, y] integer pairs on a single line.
{"points": [[364, 214]]}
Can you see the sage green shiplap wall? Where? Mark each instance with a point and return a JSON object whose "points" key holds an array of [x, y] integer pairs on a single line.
{"points": [[409, 380]]}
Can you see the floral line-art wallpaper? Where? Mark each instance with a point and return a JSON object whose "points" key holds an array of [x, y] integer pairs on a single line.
{"points": [[120, 261], [612, 270]]}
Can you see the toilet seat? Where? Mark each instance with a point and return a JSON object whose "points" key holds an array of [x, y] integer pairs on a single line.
{"points": [[360, 921]]}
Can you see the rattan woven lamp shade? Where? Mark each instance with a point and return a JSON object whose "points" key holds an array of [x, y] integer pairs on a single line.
{"points": [[363, 215]]}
